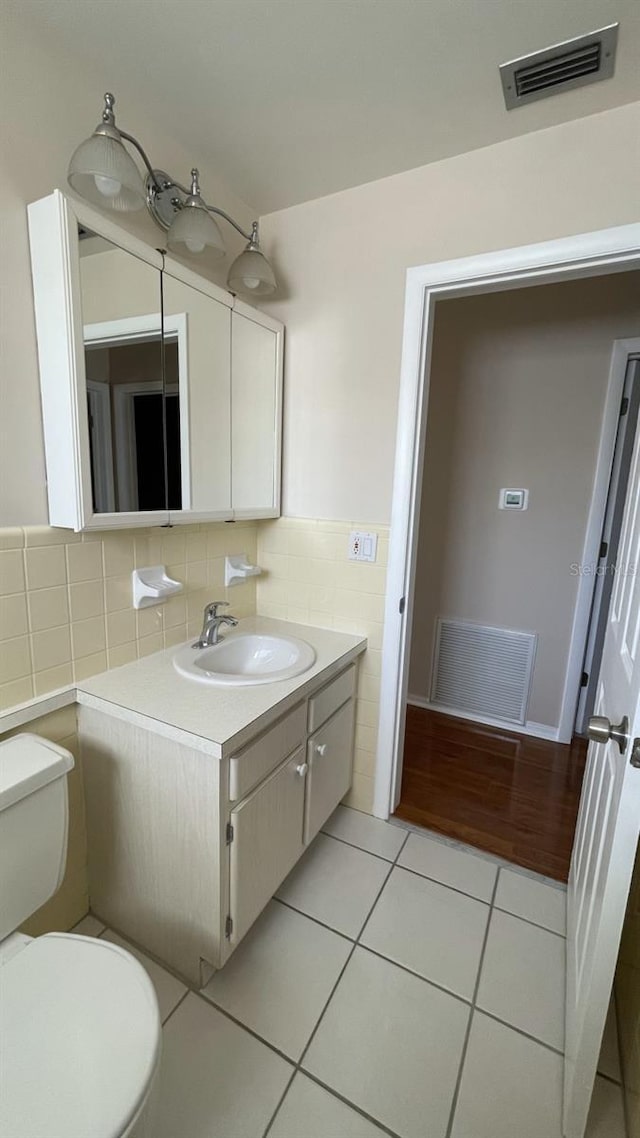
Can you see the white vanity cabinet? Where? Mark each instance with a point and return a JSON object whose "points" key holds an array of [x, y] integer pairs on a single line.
{"points": [[161, 393], [186, 850]]}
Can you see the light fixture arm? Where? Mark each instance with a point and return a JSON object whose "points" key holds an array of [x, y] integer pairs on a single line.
{"points": [[253, 236], [141, 151]]}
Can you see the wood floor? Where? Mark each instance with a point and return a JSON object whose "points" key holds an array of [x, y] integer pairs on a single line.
{"points": [[511, 795]]}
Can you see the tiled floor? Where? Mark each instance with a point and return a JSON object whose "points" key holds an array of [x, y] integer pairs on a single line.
{"points": [[397, 985]]}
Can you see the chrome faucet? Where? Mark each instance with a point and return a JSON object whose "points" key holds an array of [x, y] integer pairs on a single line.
{"points": [[210, 634]]}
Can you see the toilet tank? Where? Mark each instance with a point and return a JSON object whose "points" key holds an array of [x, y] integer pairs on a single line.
{"points": [[34, 817]]}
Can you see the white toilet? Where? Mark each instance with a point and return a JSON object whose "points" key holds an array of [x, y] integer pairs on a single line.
{"points": [[80, 1034]]}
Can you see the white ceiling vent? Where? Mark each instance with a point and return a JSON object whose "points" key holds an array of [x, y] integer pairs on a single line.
{"points": [[574, 63]]}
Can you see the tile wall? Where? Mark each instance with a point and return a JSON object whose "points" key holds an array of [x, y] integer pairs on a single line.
{"points": [[310, 580], [65, 599]]}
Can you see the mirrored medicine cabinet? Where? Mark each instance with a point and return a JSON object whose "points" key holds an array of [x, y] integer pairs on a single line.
{"points": [[161, 393]]}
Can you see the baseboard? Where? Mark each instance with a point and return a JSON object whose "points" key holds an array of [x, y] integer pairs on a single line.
{"points": [[537, 730]]}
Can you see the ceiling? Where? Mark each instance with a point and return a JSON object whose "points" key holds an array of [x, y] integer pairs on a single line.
{"points": [[295, 99]]}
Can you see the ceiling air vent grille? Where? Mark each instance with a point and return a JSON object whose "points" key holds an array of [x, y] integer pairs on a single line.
{"points": [[562, 67]]}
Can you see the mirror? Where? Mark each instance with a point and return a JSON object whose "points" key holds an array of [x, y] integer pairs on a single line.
{"points": [[203, 326], [133, 395]]}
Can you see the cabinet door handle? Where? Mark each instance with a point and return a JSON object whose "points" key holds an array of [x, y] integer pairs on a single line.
{"points": [[302, 769], [321, 748]]}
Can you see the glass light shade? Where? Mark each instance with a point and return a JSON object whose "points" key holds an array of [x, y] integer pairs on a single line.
{"points": [[251, 273], [102, 172], [193, 230]]}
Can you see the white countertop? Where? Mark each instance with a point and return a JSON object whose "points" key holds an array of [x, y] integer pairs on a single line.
{"points": [[217, 720]]}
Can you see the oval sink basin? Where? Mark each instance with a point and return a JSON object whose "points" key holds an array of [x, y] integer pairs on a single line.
{"points": [[245, 658]]}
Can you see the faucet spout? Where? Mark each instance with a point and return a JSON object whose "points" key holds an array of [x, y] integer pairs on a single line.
{"points": [[210, 635]]}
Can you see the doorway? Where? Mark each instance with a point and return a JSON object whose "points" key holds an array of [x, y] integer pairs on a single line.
{"points": [[600, 253], [524, 397]]}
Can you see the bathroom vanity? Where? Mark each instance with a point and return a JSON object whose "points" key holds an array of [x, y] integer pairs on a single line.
{"points": [[200, 800]]}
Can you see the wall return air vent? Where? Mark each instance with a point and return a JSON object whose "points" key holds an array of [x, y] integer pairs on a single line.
{"points": [[574, 63]]}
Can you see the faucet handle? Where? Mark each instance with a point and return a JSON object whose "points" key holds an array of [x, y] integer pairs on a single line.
{"points": [[211, 609]]}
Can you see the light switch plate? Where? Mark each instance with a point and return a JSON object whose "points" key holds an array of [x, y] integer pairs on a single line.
{"points": [[363, 546]]}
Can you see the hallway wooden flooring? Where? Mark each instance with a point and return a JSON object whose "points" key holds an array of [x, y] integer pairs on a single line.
{"points": [[509, 794]]}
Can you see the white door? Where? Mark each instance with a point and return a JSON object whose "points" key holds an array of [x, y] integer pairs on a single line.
{"points": [[608, 827]]}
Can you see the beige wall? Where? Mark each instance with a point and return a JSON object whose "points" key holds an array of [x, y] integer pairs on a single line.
{"points": [[48, 104], [518, 383], [343, 260], [309, 579], [66, 607], [627, 988]]}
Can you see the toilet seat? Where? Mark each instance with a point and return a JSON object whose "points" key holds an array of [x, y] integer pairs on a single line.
{"points": [[80, 1038]]}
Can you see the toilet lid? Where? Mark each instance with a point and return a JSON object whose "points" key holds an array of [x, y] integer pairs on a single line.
{"points": [[79, 1036]]}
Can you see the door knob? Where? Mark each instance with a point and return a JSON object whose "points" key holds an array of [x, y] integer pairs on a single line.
{"points": [[302, 769], [600, 730], [321, 748]]}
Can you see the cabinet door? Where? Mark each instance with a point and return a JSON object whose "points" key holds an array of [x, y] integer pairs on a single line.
{"points": [[197, 359], [267, 841], [256, 412], [330, 759], [98, 321]]}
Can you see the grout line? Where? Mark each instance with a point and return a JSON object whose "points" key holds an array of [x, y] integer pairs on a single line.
{"points": [[445, 885], [465, 1044], [316, 920], [520, 1031], [609, 1079], [280, 1102], [174, 1009], [528, 921], [347, 1102], [354, 846], [228, 1015]]}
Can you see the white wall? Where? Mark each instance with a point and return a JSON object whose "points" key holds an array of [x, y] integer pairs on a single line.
{"points": [[48, 104], [518, 384], [343, 260]]}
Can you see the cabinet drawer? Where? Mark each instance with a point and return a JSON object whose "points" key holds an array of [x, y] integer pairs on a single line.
{"points": [[267, 841], [322, 705], [250, 766], [330, 759]]}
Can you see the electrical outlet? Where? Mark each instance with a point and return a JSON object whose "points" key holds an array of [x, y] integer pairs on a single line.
{"points": [[363, 546]]}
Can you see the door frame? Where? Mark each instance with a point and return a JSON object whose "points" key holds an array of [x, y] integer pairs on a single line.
{"points": [[622, 361], [570, 258]]}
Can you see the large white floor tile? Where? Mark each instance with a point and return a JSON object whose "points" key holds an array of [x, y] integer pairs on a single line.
{"points": [[609, 1062], [310, 1111], [168, 990], [431, 929], [391, 1043], [522, 979], [511, 1087], [217, 1081], [534, 900], [457, 868], [89, 926], [606, 1117], [279, 979], [335, 883], [371, 834]]}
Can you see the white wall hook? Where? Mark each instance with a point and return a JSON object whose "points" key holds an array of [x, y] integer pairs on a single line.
{"points": [[152, 586], [237, 569]]}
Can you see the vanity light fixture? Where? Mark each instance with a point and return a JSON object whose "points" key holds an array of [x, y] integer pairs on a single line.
{"points": [[102, 171]]}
